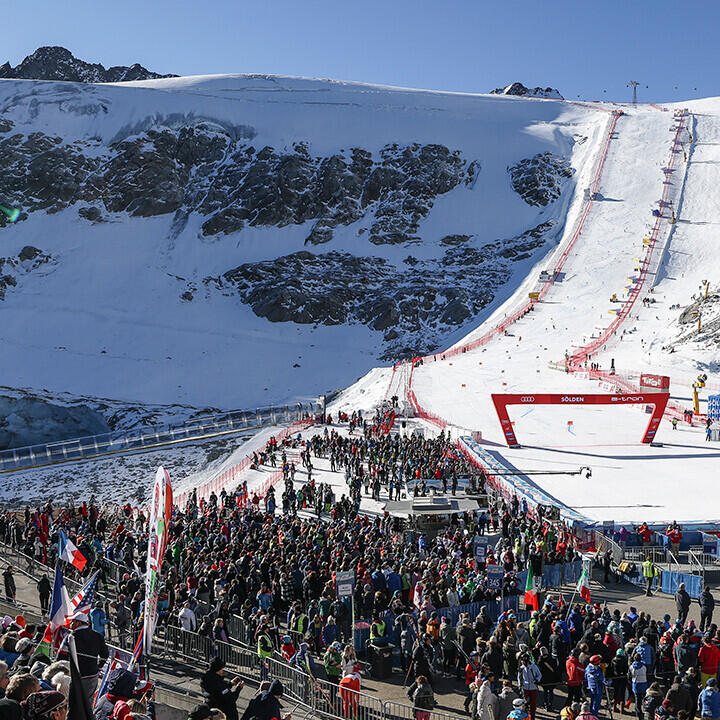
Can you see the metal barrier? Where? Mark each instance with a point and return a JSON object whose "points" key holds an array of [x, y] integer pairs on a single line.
{"points": [[407, 712], [603, 543], [119, 441]]}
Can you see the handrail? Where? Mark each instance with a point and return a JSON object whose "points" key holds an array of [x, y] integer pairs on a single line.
{"points": [[118, 441]]}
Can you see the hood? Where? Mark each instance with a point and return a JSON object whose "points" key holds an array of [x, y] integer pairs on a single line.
{"points": [[121, 683]]}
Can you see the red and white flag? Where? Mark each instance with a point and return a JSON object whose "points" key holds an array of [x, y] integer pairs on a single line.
{"points": [[69, 553]]}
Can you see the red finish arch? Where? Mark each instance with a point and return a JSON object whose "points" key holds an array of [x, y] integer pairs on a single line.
{"points": [[657, 399]]}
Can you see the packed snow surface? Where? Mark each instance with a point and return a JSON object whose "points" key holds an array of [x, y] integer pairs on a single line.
{"points": [[630, 482]]}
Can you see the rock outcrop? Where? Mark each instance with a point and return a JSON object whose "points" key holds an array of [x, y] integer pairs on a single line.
{"points": [[519, 89], [57, 63], [539, 179]]}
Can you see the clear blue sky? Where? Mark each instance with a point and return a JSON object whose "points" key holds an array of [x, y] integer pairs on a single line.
{"points": [[586, 49]]}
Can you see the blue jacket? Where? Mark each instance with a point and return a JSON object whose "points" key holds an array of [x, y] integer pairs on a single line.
{"points": [[576, 621], [595, 678], [645, 652], [564, 631], [394, 582], [709, 703], [379, 580], [98, 620], [330, 634]]}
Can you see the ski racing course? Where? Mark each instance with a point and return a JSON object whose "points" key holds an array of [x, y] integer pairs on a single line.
{"points": [[614, 245]]}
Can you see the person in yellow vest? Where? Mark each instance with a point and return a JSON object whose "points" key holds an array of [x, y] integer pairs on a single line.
{"points": [[650, 572], [378, 631], [264, 651]]}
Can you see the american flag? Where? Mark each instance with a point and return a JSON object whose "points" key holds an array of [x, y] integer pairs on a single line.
{"points": [[82, 602]]}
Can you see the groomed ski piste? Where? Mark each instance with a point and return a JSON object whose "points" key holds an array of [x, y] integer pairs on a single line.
{"points": [[630, 482]]}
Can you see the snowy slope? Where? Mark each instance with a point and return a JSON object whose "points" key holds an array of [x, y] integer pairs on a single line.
{"points": [[630, 482], [105, 316]]}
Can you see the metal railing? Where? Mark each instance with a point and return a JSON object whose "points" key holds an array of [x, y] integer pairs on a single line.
{"points": [[122, 441], [322, 697], [603, 543]]}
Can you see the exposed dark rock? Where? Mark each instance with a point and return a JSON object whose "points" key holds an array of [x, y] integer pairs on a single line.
{"points": [[539, 179], [57, 63], [413, 307], [29, 253], [92, 213], [455, 239], [517, 88]]}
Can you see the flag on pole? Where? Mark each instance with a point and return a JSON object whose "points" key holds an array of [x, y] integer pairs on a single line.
{"points": [[78, 703], [531, 589], [82, 602], [583, 586], [110, 665], [137, 652], [59, 612], [69, 553], [160, 516]]}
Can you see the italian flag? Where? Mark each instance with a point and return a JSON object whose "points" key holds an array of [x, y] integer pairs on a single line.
{"points": [[583, 586], [531, 590]]}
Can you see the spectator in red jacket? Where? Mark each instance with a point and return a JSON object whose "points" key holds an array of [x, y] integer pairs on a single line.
{"points": [[576, 674], [709, 659]]}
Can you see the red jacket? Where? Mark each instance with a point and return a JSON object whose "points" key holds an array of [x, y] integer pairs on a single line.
{"points": [[575, 671], [709, 657], [471, 672]]}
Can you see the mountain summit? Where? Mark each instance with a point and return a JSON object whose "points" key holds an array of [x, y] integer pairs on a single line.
{"points": [[58, 63]]}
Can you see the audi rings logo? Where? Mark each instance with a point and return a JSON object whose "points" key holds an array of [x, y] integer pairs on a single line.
{"points": [[570, 399], [527, 398]]}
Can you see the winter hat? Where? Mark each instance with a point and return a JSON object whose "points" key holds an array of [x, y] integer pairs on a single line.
{"points": [[41, 704], [216, 664], [518, 702], [120, 710], [121, 683], [619, 652], [667, 704], [23, 644], [711, 683], [595, 659]]}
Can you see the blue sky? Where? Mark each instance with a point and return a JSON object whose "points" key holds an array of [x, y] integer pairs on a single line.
{"points": [[583, 49]]}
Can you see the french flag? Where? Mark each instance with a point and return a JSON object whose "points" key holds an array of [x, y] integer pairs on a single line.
{"points": [[59, 612], [69, 553]]}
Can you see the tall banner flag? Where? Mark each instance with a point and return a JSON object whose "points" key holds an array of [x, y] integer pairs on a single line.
{"points": [[59, 613], [531, 589], [583, 586], [160, 515]]}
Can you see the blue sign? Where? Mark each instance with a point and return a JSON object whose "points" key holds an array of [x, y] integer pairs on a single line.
{"points": [[481, 544], [495, 574]]}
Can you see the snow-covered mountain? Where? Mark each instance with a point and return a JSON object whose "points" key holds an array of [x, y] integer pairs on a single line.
{"points": [[245, 239], [57, 63]]}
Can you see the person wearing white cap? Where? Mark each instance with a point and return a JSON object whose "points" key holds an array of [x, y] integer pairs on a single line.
{"points": [[90, 646]]}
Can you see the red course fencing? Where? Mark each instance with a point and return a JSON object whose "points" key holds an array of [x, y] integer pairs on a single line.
{"points": [[231, 476]]}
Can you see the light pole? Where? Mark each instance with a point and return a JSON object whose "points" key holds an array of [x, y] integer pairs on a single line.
{"points": [[634, 84]]}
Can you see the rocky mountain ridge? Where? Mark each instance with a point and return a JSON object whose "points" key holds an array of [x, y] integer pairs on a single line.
{"points": [[519, 89], [58, 63]]}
